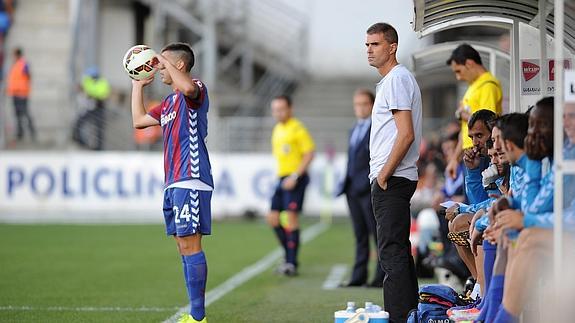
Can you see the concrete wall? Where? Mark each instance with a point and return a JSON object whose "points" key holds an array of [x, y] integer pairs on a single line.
{"points": [[337, 33]]}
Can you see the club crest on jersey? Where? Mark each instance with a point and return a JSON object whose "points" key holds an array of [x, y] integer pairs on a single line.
{"points": [[167, 118]]}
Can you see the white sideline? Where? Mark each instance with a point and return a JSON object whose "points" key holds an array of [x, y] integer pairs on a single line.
{"points": [[251, 271], [87, 309], [335, 276]]}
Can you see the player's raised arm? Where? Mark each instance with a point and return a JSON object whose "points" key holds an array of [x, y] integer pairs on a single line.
{"points": [[140, 118], [179, 74]]}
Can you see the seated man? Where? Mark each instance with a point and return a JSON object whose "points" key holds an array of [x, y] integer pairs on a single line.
{"points": [[537, 200], [475, 162], [495, 183], [510, 138]]}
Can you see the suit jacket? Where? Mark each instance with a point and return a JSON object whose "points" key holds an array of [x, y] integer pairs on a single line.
{"points": [[356, 180]]}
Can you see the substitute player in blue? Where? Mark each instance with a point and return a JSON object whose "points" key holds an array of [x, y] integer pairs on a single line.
{"points": [[183, 116]]}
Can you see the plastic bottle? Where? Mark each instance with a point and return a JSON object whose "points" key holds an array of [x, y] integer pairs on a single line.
{"points": [[369, 307], [350, 307]]}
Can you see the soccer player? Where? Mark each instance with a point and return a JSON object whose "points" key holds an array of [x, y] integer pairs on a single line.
{"points": [[183, 116], [293, 149]]}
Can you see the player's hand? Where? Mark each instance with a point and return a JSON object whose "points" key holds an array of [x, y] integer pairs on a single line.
{"points": [[289, 183], [471, 158], [491, 234], [491, 212], [452, 212], [510, 219], [451, 169], [476, 217], [474, 239], [143, 82], [501, 204]]}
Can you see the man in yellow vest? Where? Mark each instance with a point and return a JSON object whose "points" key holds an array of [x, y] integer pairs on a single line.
{"points": [[484, 92], [97, 90], [18, 87]]}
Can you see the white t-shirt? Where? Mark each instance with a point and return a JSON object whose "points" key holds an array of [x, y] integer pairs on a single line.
{"points": [[398, 90]]}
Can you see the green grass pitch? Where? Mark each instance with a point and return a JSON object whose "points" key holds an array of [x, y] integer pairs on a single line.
{"points": [[132, 273]]}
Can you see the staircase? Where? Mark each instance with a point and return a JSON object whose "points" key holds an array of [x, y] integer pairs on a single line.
{"points": [[41, 29], [326, 107]]}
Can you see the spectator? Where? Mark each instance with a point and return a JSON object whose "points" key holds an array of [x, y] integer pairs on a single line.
{"points": [[18, 87], [6, 20], [96, 90]]}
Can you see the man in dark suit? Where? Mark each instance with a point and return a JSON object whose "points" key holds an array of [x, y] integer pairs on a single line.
{"points": [[357, 190]]}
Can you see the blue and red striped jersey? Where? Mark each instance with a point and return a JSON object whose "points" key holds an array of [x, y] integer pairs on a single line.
{"points": [[184, 124]]}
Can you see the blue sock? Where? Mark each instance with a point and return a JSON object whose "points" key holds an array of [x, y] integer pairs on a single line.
{"points": [[196, 275], [484, 307], [481, 302], [185, 269], [505, 317], [496, 295], [292, 246], [489, 252], [489, 304]]}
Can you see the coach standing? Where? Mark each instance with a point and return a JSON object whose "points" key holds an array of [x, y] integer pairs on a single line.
{"points": [[394, 141]]}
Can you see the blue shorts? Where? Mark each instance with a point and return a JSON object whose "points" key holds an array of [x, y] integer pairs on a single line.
{"points": [[284, 200], [187, 212]]}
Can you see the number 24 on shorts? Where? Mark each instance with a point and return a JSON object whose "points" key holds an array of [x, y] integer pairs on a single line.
{"points": [[185, 214]]}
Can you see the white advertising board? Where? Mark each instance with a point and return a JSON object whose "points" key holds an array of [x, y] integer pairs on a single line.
{"points": [[531, 76], [127, 187]]}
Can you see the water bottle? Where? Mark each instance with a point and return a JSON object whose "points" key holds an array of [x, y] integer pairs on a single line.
{"points": [[343, 315], [369, 307], [350, 307], [376, 315]]}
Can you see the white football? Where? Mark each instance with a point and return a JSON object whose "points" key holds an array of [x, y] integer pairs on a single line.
{"points": [[140, 62]]}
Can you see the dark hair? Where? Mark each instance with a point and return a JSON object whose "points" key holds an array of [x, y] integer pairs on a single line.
{"points": [[389, 33], [546, 103], [482, 115], [513, 127], [489, 144], [18, 52], [284, 97], [184, 52], [462, 53], [367, 93]]}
